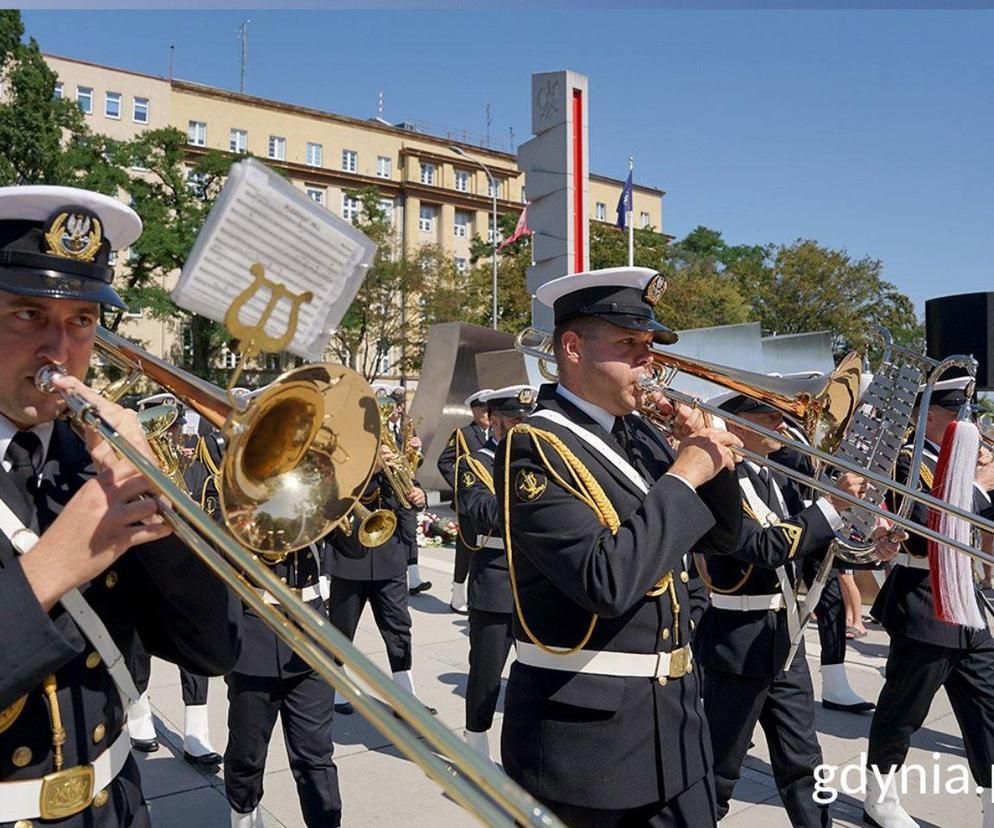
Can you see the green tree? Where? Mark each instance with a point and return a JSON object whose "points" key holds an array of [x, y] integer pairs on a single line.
{"points": [[805, 287], [44, 140], [173, 197], [513, 298], [382, 319], [698, 291]]}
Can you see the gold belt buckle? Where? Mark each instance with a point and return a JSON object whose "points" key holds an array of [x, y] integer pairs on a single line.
{"points": [[66, 792], [680, 662]]}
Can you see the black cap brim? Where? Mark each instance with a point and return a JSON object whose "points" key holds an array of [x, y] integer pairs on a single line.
{"points": [[660, 333], [52, 284], [741, 404]]}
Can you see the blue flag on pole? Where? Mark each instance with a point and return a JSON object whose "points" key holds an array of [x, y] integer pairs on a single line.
{"points": [[625, 202]]}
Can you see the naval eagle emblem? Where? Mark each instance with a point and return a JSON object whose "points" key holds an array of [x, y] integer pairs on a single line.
{"points": [[74, 233], [654, 290]]}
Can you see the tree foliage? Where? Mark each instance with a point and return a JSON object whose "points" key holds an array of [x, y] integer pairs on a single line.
{"points": [[382, 320], [173, 195], [44, 140]]}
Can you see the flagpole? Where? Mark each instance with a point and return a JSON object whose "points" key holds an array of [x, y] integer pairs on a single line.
{"points": [[631, 214]]}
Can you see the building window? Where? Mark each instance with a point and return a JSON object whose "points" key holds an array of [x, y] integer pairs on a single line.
{"points": [[315, 154], [384, 167], [112, 105], [382, 363], [277, 148], [461, 228], [462, 181], [84, 97], [524, 198], [315, 194], [490, 187], [600, 211], [386, 205], [112, 258], [643, 220], [350, 207], [426, 221], [139, 111], [462, 264], [196, 133], [427, 173], [238, 140], [350, 160], [490, 230], [229, 357], [57, 92], [196, 182]]}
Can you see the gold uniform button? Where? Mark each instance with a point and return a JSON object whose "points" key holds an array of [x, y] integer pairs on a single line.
{"points": [[684, 577], [23, 823], [662, 681], [110, 581], [21, 757], [98, 733], [92, 660], [665, 633], [101, 798]]}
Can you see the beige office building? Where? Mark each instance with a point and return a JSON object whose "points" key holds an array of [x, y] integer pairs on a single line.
{"points": [[430, 193]]}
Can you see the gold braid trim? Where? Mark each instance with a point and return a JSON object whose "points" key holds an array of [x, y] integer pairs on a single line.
{"points": [[50, 689], [587, 490], [463, 452], [741, 582]]}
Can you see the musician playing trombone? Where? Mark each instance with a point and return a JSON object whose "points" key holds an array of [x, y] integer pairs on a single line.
{"points": [[72, 595], [927, 653], [744, 638], [603, 719]]}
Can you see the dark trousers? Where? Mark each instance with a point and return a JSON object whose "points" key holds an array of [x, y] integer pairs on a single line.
{"points": [[194, 686], [462, 562], [831, 611], [306, 706], [784, 707], [389, 602], [489, 643], [692, 808], [915, 672]]}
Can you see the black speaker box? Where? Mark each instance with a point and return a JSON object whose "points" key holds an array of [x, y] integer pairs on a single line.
{"points": [[963, 324]]}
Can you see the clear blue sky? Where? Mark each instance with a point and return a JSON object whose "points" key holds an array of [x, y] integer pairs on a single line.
{"points": [[870, 131]]}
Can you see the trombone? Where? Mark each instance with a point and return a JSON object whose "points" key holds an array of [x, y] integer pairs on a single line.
{"points": [[823, 404], [317, 425]]}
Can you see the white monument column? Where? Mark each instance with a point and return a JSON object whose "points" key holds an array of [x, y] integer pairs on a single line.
{"points": [[555, 164]]}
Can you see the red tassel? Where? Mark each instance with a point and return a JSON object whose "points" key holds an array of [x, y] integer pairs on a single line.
{"points": [[950, 571]]}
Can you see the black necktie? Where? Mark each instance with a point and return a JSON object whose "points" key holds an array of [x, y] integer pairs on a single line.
{"points": [[25, 455], [620, 433], [767, 490]]}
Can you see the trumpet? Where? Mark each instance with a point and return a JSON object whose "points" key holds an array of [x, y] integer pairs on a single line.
{"points": [[824, 405], [318, 427]]}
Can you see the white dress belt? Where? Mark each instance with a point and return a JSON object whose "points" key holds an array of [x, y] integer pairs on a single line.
{"points": [[649, 665], [747, 603], [904, 559], [308, 593], [22, 799]]}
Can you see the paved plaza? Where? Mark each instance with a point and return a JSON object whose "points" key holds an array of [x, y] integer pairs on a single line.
{"points": [[381, 788]]}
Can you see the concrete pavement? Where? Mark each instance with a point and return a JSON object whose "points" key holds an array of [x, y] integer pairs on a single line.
{"points": [[381, 788]]}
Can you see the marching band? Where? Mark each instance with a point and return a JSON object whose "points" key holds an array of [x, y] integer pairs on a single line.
{"points": [[641, 561]]}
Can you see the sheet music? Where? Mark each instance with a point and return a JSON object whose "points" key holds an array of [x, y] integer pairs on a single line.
{"points": [[261, 217]]}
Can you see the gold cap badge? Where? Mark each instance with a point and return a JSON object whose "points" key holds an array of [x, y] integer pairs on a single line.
{"points": [[74, 233], [654, 290], [526, 396]]}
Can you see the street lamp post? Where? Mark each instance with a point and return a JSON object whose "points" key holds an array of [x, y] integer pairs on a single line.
{"points": [[493, 193]]}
